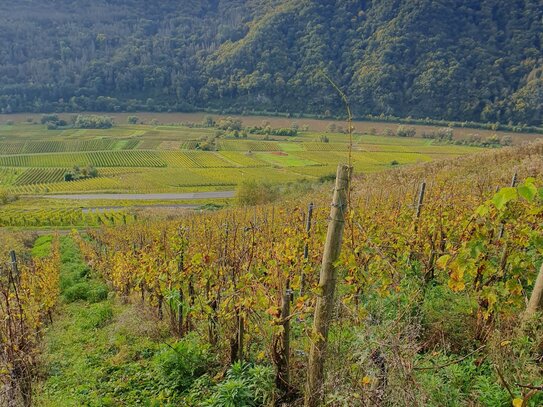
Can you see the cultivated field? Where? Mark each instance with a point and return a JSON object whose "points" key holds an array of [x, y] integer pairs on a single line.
{"points": [[148, 158], [164, 154]]}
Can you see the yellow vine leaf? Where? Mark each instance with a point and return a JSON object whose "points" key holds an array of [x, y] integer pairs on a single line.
{"points": [[366, 380]]}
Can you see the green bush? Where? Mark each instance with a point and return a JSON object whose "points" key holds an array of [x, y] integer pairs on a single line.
{"points": [[327, 178], [97, 293], [256, 193], [77, 292], [181, 364], [98, 316], [246, 386], [93, 122], [232, 393], [84, 291], [66, 281]]}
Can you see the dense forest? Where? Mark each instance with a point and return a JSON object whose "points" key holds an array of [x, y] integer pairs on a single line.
{"points": [[478, 60]]}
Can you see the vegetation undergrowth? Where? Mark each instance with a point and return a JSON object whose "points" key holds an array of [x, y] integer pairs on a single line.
{"points": [[102, 351]]}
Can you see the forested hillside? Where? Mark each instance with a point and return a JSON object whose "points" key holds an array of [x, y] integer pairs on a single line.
{"points": [[451, 59]]}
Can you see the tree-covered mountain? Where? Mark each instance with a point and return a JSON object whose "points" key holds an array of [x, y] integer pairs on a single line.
{"points": [[479, 60]]}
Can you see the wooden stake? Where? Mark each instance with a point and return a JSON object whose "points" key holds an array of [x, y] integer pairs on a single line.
{"points": [[282, 347], [308, 228], [306, 246], [420, 201], [421, 198], [327, 286], [14, 268], [241, 333], [536, 299], [502, 227]]}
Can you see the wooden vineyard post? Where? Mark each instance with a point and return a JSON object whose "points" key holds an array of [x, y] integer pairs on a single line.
{"points": [[241, 333], [536, 299], [420, 200], [501, 232], [14, 267], [180, 298], [327, 286], [513, 184], [281, 353], [306, 246], [418, 209]]}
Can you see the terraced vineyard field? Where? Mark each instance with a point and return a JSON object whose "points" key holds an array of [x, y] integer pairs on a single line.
{"points": [[167, 158]]}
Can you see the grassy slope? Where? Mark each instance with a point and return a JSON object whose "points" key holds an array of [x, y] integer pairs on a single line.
{"points": [[98, 351]]}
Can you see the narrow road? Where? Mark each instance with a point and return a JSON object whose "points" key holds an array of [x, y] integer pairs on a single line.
{"points": [[102, 209], [146, 197]]}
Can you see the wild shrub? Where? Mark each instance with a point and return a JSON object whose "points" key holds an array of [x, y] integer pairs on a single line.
{"points": [[181, 364], [245, 386], [256, 193]]}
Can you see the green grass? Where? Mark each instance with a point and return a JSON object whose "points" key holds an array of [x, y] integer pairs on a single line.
{"points": [[42, 246], [98, 352], [102, 352], [285, 159]]}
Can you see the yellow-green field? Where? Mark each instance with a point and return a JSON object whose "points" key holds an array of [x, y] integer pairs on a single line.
{"points": [[145, 158]]}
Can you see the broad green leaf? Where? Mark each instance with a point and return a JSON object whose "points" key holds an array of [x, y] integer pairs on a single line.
{"points": [[503, 196], [527, 191], [482, 210]]}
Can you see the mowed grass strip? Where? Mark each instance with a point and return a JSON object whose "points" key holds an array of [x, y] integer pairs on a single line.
{"points": [[248, 145], [283, 159], [244, 159]]}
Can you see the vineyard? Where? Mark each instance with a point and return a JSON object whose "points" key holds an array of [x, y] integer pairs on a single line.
{"points": [[29, 287], [34, 158], [419, 286], [34, 176], [62, 217]]}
